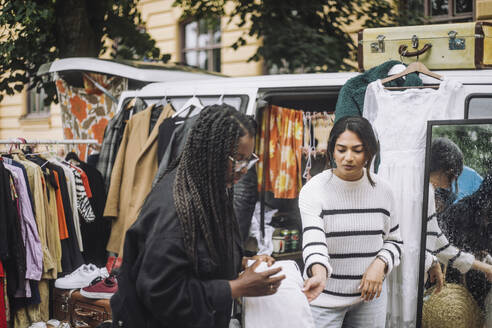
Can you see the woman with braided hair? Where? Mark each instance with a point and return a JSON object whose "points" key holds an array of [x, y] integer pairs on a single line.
{"points": [[183, 254]]}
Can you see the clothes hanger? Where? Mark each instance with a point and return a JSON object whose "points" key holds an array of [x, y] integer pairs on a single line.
{"points": [[161, 103], [221, 100], [192, 103], [415, 67], [16, 145], [72, 156], [131, 103]]}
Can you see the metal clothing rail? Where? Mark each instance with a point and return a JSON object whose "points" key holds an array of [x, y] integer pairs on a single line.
{"points": [[49, 142]]}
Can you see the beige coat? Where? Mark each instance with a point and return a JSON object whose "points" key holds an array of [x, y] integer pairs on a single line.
{"points": [[133, 171]]}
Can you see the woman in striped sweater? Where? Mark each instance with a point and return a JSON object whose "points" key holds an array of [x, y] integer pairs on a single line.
{"points": [[351, 237]]}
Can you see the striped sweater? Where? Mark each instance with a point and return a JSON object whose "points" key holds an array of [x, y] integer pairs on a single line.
{"points": [[439, 246], [437, 243], [346, 224]]}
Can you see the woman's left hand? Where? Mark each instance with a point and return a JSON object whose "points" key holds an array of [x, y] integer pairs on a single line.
{"points": [[372, 281], [262, 258]]}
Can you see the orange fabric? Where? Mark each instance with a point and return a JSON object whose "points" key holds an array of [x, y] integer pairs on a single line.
{"points": [[62, 222], [285, 151], [85, 181]]}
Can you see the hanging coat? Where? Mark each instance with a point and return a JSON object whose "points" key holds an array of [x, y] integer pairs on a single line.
{"points": [[133, 171]]}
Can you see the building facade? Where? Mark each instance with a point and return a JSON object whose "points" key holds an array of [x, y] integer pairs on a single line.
{"points": [[203, 44]]}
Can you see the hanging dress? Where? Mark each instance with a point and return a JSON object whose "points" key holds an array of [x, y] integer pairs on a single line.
{"points": [[399, 119]]}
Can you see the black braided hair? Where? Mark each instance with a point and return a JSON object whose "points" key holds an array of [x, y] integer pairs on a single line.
{"points": [[202, 200]]}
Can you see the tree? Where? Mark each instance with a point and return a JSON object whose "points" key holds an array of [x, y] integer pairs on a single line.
{"points": [[307, 35], [40, 31]]}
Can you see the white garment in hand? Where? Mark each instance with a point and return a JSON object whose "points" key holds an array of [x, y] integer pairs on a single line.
{"points": [[288, 307], [399, 119]]}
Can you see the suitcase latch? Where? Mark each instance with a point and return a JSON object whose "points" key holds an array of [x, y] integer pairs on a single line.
{"points": [[379, 45], [454, 42], [415, 41]]}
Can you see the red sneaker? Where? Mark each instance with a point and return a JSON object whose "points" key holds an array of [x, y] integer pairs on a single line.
{"points": [[101, 288]]}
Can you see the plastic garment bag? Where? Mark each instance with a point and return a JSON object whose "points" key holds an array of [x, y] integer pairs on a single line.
{"points": [[288, 307]]}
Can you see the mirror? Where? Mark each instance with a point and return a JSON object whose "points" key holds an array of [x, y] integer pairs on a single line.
{"points": [[457, 212]]}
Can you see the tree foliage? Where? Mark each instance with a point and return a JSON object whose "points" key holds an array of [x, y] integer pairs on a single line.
{"points": [[308, 35], [40, 31]]}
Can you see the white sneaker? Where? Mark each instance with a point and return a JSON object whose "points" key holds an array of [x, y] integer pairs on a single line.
{"points": [[104, 272], [80, 278], [38, 325], [53, 323]]}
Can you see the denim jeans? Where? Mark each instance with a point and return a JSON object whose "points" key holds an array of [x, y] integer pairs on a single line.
{"points": [[361, 315]]}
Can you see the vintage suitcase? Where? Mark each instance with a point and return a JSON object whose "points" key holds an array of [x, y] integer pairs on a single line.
{"points": [[61, 304], [443, 46], [88, 313]]}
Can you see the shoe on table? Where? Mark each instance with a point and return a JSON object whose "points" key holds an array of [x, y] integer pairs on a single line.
{"points": [[81, 277]]}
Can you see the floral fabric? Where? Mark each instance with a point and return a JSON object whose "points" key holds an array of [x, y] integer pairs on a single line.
{"points": [[285, 151], [85, 112]]}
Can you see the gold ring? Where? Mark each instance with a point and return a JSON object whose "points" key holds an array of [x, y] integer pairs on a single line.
{"points": [[271, 286]]}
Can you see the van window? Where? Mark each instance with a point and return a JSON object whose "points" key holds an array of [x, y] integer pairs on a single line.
{"points": [[240, 102], [478, 106]]}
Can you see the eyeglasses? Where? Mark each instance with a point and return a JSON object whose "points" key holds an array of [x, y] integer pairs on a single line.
{"points": [[246, 163]]}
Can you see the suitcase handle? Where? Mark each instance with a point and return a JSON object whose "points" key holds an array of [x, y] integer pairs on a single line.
{"points": [[403, 50], [81, 324], [85, 314]]}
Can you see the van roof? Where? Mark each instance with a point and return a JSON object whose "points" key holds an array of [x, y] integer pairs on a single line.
{"points": [[134, 70], [306, 80], [265, 81]]}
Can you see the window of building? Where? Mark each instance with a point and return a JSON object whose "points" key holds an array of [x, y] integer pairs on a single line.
{"points": [[448, 11], [35, 102], [201, 44]]}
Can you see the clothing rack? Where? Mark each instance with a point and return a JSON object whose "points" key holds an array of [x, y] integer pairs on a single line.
{"points": [[48, 142]]}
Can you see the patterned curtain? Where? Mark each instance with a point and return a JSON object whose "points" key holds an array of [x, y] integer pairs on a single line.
{"points": [[86, 111], [285, 151]]}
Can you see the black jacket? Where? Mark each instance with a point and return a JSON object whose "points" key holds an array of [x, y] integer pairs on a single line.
{"points": [[12, 250], [95, 235], [156, 285]]}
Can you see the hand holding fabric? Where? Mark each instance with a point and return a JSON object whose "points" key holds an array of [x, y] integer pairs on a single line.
{"points": [[252, 283], [262, 258]]}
